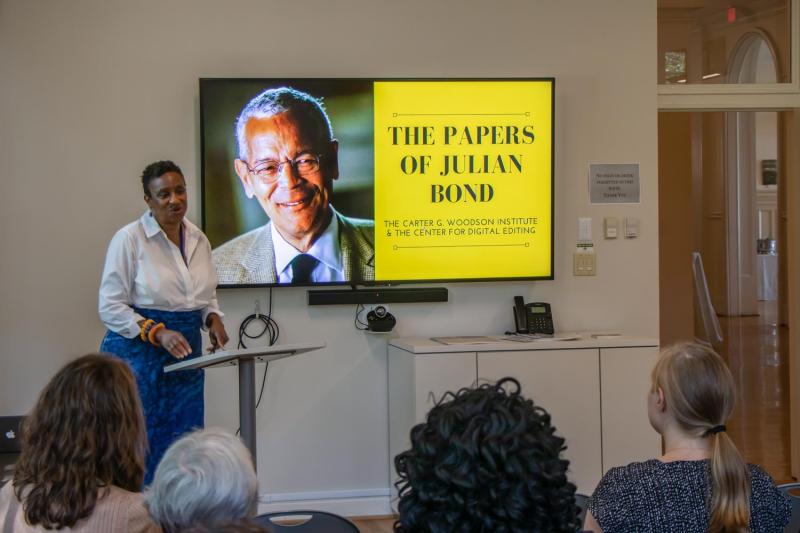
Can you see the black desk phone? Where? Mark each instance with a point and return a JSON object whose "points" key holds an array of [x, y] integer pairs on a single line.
{"points": [[532, 318]]}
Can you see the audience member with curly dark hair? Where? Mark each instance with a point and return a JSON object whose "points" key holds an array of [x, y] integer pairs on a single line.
{"points": [[486, 460]]}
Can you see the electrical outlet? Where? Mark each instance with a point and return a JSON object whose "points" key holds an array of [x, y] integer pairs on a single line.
{"points": [[584, 264]]}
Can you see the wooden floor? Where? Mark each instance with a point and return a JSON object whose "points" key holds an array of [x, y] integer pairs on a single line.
{"points": [[374, 525], [756, 349]]}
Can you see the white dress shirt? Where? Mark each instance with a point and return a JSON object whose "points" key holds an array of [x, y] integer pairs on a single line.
{"points": [[145, 269], [325, 249]]}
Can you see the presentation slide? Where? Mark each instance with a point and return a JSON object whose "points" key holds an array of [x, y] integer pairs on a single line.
{"points": [[463, 179], [377, 181]]}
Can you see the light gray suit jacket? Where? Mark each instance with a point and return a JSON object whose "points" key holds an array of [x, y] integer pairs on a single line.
{"points": [[250, 258]]}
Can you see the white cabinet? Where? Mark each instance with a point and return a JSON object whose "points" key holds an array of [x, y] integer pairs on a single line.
{"points": [[625, 380], [416, 383], [567, 385], [595, 391]]}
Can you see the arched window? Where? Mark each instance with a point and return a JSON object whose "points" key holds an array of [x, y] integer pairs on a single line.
{"points": [[699, 41]]}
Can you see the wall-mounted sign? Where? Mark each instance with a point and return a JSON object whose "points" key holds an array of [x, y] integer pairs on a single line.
{"points": [[614, 184]]}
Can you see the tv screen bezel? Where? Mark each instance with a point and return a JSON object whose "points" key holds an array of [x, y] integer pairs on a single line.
{"points": [[385, 283]]}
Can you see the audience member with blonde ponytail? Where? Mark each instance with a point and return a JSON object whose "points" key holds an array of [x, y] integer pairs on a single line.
{"points": [[701, 482]]}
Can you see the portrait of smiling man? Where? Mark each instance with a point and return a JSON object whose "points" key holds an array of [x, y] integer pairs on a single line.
{"points": [[287, 161]]}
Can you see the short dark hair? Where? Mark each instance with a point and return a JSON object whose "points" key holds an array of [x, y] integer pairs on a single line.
{"points": [[156, 170], [486, 459]]}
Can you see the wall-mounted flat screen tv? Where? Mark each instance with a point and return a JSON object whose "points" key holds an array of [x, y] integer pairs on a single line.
{"points": [[321, 181]]}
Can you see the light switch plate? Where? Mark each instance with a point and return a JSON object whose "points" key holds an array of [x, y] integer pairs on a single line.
{"points": [[584, 264], [631, 227], [611, 227], [584, 229]]}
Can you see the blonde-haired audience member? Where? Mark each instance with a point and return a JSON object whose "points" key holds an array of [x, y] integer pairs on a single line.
{"points": [[701, 482], [82, 461], [205, 478]]}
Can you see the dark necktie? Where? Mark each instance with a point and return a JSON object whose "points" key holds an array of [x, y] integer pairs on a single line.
{"points": [[302, 266]]}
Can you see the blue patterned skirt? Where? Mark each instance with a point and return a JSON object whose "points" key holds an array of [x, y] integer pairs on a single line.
{"points": [[173, 402]]}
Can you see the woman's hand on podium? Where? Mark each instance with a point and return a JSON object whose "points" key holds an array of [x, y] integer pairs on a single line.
{"points": [[173, 342], [216, 332]]}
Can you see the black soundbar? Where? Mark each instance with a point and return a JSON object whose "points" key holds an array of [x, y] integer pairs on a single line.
{"points": [[376, 296]]}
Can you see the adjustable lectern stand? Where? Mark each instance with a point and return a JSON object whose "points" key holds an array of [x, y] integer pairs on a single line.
{"points": [[246, 359]]}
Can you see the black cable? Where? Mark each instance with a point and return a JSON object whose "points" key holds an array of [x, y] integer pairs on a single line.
{"points": [[270, 327], [357, 322]]}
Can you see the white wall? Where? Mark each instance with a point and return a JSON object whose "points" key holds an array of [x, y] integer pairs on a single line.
{"points": [[766, 141], [92, 90]]}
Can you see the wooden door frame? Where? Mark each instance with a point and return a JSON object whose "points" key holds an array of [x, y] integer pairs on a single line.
{"points": [[740, 213], [791, 248]]}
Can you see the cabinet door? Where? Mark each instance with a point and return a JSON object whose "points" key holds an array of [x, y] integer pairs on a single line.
{"points": [[566, 383], [416, 382], [436, 374], [625, 379]]}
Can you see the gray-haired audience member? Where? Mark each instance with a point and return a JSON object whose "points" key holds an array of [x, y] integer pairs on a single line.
{"points": [[205, 478]]}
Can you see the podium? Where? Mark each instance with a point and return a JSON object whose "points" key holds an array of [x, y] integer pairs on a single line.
{"points": [[246, 359]]}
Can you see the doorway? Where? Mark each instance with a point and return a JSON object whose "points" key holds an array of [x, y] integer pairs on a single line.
{"points": [[719, 193]]}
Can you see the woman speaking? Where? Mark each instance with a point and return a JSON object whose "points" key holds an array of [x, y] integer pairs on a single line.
{"points": [[158, 290]]}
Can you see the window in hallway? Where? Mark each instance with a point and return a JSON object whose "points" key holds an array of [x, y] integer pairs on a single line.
{"points": [[699, 41]]}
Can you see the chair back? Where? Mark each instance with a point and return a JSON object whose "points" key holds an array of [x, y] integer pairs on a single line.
{"points": [[792, 491], [707, 316], [305, 522], [582, 501]]}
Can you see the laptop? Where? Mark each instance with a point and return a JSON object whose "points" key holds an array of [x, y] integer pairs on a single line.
{"points": [[9, 433]]}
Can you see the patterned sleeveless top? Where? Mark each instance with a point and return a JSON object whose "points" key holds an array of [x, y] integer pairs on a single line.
{"points": [[675, 497]]}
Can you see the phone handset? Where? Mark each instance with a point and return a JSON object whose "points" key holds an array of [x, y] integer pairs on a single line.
{"points": [[520, 320], [533, 318]]}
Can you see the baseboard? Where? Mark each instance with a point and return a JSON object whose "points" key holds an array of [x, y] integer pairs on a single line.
{"points": [[364, 502]]}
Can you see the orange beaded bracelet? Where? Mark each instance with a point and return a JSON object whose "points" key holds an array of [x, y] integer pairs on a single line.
{"points": [[151, 336], [145, 329]]}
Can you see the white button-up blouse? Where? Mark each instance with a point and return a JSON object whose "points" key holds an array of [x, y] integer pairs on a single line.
{"points": [[145, 269]]}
